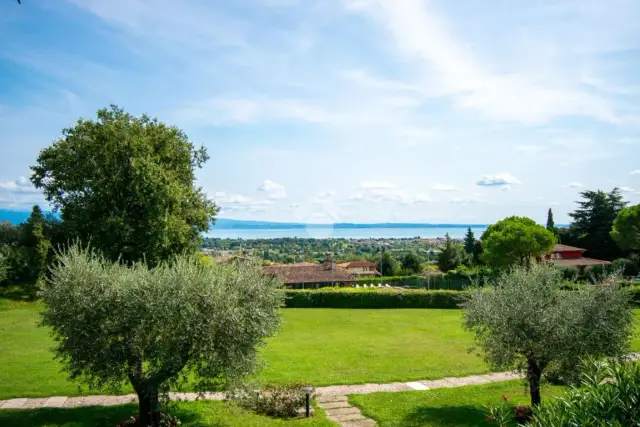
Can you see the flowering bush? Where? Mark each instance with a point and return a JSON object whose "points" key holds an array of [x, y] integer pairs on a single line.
{"points": [[273, 400], [500, 414]]}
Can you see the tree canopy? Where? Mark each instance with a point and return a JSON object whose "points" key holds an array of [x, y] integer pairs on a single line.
{"points": [[626, 229], [525, 321], [126, 184], [388, 265], [411, 263], [451, 255], [515, 240], [156, 327], [593, 221]]}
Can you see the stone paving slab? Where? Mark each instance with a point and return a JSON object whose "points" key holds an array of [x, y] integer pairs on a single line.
{"points": [[13, 403], [347, 417], [343, 411], [35, 403], [55, 402], [360, 423], [331, 398], [331, 405]]}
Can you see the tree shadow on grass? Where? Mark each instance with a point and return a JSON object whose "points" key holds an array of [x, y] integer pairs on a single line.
{"points": [[90, 416], [448, 416], [17, 293]]}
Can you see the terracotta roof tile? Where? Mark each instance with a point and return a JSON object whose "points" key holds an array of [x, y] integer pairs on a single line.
{"points": [[565, 248], [309, 274]]}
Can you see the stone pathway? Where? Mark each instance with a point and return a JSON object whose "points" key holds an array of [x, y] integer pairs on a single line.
{"points": [[333, 399]]}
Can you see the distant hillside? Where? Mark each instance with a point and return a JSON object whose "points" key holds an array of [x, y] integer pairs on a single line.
{"points": [[16, 217], [230, 224]]}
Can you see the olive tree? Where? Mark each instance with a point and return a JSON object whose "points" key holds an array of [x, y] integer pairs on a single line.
{"points": [[115, 323], [525, 321]]}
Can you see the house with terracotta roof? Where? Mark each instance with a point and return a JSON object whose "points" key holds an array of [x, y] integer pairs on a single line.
{"points": [[360, 268], [311, 276], [571, 256]]}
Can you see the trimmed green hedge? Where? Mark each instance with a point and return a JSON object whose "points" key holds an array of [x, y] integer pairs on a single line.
{"points": [[383, 298], [346, 298]]}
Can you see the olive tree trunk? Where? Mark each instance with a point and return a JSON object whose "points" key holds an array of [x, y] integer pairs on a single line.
{"points": [[149, 407], [534, 375]]}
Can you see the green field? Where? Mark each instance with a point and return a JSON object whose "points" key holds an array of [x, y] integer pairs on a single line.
{"points": [[316, 346], [192, 414], [447, 407]]}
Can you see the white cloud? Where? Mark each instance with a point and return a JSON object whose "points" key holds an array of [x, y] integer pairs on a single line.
{"points": [[326, 194], [521, 95], [627, 189], [20, 185], [293, 205], [443, 187], [635, 172], [376, 185], [20, 194], [273, 190], [530, 148], [464, 200], [573, 184], [498, 180]]}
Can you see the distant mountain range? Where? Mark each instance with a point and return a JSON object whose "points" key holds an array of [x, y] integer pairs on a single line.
{"points": [[16, 217]]}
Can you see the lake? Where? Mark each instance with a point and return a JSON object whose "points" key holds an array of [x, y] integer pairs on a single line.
{"points": [[325, 232]]}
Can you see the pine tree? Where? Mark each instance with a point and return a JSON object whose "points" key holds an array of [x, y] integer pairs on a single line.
{"points": [[551, 226], [593, 221], [36, 243], [450, 257], [469, 241]]}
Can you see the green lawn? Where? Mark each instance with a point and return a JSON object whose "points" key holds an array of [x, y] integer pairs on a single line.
{"points": [[316, 346], [447, 407], [192, 414]]}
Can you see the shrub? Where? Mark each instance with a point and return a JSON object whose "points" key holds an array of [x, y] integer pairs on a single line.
{"points": [[273, 400], [609, 396], [628, 267], [374, 298]]}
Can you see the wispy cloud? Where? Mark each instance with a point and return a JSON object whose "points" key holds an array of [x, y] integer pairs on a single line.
{"points": [[530, 148], [273, 190], [573, 184], [498, 180], [443, 187], [423, 34]]}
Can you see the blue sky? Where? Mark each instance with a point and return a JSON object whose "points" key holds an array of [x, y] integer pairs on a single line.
{"points": [[344, 110]]}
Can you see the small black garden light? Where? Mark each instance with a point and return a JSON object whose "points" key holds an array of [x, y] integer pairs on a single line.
{"points": [[307, 391]]}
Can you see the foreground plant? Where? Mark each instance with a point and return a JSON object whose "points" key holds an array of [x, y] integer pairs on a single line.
{"points": [[155, 327], [526, 322], [609, 395]]}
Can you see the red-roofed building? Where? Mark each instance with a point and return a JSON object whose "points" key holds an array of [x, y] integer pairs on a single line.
{"points": [[572, 256], [360, 268]]}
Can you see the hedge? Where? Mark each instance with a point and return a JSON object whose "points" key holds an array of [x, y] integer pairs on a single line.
{"points": [[382, 298], [344, 298]]}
